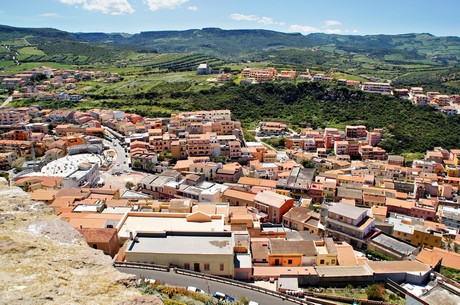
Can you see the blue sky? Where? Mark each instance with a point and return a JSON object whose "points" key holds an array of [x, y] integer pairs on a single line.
{"points": [[333, 16]]}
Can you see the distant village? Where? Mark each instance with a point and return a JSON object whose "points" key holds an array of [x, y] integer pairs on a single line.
{"points": [[328, 205], [447, 104]]}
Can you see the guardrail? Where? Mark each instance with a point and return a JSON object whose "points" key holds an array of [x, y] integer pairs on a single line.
{"points": [[141, 266], [242, 285]]}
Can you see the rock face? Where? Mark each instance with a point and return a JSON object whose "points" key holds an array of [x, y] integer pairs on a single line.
{"points": [[43, 260]]}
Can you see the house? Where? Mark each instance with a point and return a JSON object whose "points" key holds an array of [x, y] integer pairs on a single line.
{"points": [[291, 252], [302, 219], [428, 237], [439, 257], [391, 246], [349, 223], [237, 197], [272, 205], [379, 88], [203, 69], [208, 252], [105, 239]]}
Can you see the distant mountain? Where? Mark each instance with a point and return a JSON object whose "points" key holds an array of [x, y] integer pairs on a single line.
{"points": [[231, 43], [243, 44]]}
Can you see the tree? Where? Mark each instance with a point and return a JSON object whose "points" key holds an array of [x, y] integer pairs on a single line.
{"points": [[307, 163], [375, 292], [137, 164], [149, 165], [129, 185]]}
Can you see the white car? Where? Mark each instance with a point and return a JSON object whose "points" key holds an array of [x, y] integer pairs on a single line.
{"points": [[194, 289], [253, 303]]}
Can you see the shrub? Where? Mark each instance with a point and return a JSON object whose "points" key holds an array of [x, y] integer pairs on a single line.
{"points": [[376, 292]]}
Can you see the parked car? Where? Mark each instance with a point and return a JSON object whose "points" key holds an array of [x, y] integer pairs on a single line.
{"points": [[222, 296], [253, 303], [194, 289]]}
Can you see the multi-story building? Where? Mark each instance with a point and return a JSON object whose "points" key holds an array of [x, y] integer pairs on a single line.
{"points": [[273, 205], [199, 145], [358, 131], [208, 252], [374, 138], [380, 88], [450, 216], [420, 100], [10, 117], [428, 237], [349, 223]]}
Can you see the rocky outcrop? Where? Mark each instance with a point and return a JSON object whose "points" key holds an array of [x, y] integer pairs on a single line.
{"points": [[43, 260]]}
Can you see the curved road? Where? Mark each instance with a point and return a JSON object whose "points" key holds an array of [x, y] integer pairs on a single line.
{"points": [[209, 286]]}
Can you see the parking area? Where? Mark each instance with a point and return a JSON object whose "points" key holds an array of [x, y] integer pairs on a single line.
{"points": [[120, 181]]}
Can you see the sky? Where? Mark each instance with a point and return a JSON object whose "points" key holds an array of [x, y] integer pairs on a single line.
{"points": [[358, 17]]}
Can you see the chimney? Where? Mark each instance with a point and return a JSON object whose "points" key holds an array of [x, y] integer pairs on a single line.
{"points": [[81, 226], [131, 236]]}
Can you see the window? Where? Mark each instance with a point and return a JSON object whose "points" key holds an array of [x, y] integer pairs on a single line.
{"points": [[186, 266], [321, 262], [206, 267], [221, 267], [333, 261], [289, 261]]}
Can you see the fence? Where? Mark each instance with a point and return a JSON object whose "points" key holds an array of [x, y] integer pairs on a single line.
{"points": [[141, 266], [243, 285]]}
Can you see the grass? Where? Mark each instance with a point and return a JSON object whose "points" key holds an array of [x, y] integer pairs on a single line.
{"points": [[32, 65], [409, 157], [339, 75], [30, 51]]}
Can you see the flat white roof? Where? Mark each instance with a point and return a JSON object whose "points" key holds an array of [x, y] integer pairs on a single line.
{"points": [[161, 224], [65, 166]]}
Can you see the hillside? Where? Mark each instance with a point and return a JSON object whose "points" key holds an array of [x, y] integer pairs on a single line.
{"points": [[407, 59], [231, 43], [45, 261], [300, 104]]}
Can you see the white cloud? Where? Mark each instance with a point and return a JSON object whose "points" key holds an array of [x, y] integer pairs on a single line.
{"points": [[113, 7], [72, 2], [331, 23], [192, 8], [241, 17], [333, 31], [49, 15], [355, 31], [263, 20], [155, 5], [304, 29]]}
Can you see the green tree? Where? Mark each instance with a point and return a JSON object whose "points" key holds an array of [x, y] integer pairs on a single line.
{"points": [[307, 163], [129, 185], [375, 292], [149, 165], [137, 164]]}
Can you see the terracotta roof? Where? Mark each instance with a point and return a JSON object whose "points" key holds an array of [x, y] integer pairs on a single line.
{"points": [[98, 235], [432, 257], [399, 203], [257, 182], [40, 195], [281, 246], [271, 198], [239, 194], [345, 255], [398, 266], [300, 214], [259, 250]]}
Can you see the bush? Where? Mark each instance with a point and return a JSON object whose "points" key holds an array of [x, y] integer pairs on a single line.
{"points": [[376, 292]]}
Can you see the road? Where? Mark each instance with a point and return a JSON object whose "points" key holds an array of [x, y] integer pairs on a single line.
{"points": [[7, 101], [208, 286]]}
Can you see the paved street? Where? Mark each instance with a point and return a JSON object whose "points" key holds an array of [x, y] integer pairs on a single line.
{"points": [[120, 164], [7, 101], [208, 286]]}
